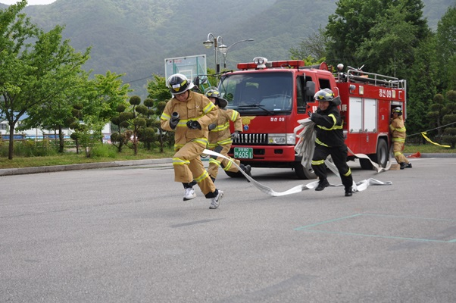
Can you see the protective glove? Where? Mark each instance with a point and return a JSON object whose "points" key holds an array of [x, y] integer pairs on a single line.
{"points": [[212, 126], [174, 120], [310, 114], [193, 124], [235, 135]]}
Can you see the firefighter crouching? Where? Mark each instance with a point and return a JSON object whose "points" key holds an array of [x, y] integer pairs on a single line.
{"points": [[329, 141], [220, 138], [398, 134], [189, 114]]}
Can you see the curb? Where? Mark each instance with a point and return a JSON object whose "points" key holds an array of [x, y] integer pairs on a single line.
{"points": [[433, 155], [58, 168]]}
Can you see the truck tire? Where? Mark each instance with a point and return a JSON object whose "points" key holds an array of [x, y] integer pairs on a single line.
{"points": [[365, 164], [304, 173], [382, 155]]}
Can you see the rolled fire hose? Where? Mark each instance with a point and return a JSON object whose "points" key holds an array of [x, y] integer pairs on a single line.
{"points": [[305, 148]]}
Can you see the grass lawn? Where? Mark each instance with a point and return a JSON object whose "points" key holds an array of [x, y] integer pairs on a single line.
{"points": [[73, 158], [427, 148]]}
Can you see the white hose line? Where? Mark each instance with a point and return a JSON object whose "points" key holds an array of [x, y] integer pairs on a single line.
{"points": [[377, 167], [360, 186]]}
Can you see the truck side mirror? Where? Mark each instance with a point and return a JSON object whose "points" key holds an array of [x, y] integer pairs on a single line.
{"points": [[196, 81], [310, 88]]}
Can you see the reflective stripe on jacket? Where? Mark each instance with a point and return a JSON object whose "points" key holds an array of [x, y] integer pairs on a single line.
{"points": [[328, 127]]}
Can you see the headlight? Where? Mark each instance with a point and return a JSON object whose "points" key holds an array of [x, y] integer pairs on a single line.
{"points": [[282, 139]]}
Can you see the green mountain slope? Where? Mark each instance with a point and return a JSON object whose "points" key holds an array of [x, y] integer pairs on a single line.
{"points": [[133, 37]]}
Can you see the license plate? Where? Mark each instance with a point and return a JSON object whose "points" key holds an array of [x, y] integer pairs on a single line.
{"points": [[243, 153]]}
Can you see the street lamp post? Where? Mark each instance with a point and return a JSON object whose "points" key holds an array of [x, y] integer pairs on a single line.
{"points": [[225, 49], [217, 42]]}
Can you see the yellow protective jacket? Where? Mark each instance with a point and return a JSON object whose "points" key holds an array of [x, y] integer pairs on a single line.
{"points": [[397, 129], [197, 107], [221, 135]]}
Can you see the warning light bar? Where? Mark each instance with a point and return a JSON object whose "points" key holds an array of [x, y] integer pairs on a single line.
{"points": [[262, 63]]}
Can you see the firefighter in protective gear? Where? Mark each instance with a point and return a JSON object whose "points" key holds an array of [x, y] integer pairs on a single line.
{"points": [[329, 141], [189, 114], [398, 134], [220, 138]]}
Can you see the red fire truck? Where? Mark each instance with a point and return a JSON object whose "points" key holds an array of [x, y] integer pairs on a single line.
{"points": [[272, 96]]}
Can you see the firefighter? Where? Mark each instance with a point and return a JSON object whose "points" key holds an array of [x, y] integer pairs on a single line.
{"points": [[329, 141], [189, 113], [220, 138], [398, 134]]}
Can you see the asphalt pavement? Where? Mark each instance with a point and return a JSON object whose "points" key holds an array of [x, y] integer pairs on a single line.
{"points": [[124, 234]]}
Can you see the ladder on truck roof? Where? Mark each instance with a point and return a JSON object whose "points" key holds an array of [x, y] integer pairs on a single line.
{"points": [[357, 76]]}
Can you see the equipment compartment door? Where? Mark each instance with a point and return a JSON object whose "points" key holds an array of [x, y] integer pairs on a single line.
{"points": [[355, 115], [370, 115]]}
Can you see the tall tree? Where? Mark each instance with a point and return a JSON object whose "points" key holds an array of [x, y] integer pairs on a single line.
{"points": [[99, 103], [34, 64], [348, 27], [421, 85], [107, 92], [389, 49], [446, 49], [436, 112], [449, 134], [56, 113], [371, 32]]}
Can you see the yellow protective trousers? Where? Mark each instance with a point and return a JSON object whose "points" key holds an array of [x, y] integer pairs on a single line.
{"points": [[188, 167], [225, 163], [397, 151]]}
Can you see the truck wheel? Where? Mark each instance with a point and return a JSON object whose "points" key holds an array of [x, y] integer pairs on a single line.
{"points": [[304, 173], [382, 156], [365, 164]]}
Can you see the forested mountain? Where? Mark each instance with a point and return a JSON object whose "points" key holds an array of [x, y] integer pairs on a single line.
{"points": [[133, 37]]}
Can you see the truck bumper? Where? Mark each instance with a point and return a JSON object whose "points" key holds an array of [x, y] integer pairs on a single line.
{"points": [[269, 156]]}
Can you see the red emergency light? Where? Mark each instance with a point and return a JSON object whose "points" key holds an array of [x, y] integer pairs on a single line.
{"points": [[288, 63], [272, 64], [244, 66]]}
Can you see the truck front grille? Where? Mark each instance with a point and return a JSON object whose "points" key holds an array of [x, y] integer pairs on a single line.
{"points": [[251, 139]]}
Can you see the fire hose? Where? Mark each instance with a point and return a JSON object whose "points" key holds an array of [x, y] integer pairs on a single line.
{"points": [[305, 148]]}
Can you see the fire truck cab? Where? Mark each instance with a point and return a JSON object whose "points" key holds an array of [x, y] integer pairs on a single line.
{"points": [[272, 96]]}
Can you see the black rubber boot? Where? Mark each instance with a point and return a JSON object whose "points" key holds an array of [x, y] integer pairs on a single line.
{"points": [[408, 165], [188, 185], [247, 169], [348, 192], [322, 184], [403, 165]]}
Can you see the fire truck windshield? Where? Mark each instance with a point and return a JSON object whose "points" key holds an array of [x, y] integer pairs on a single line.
{"points": [[259, 92]]}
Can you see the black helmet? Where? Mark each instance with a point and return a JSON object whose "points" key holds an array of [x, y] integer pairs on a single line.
{"points": [[397, 110], [214, 93], [178, 84], [326, 95]]}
